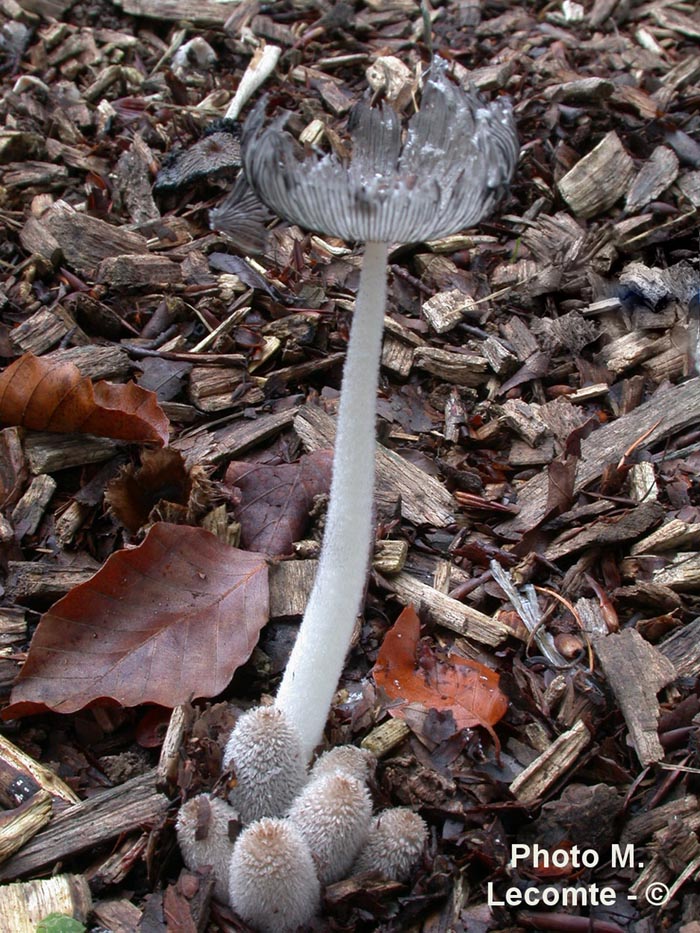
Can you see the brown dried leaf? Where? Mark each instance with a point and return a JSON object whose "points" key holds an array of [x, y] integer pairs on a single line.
{"points": [[44, 395], [276, 499], [161, 623], [417, 682], [135, 492]]}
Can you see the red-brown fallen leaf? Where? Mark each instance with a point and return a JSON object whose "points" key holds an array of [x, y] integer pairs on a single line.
{"points": [[161, 623], [275, 499], [416, 683], [44, 395]]}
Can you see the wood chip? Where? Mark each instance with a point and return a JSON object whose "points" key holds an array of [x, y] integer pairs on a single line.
{"points": [[125, 271], [673, 535], [605, 531], [599, 179], [656, 175], [443, 610], [682, 649], [290, 587], [206, 13], [45, 329], [47, 452], [636, 671], [386, 737], [462, 369], [551, 765], [20, 823], [446, 310], [682, 573]]}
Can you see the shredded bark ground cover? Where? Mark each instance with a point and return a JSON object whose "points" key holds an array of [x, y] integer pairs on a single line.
{"points": [[167, 399]]}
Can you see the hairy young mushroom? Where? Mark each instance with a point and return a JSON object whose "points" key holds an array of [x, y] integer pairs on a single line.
{"points": [[264, 752], [395, 842], [273, 884], [448, 172]]}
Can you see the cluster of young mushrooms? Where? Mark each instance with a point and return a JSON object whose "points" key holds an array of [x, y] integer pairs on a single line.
{"points": [[305, 829]]}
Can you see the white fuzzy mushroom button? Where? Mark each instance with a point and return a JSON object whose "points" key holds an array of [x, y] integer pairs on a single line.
{"points": [[445, 174]]}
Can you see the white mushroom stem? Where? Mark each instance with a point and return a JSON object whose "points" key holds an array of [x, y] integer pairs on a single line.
{"points": [[316, 662]]}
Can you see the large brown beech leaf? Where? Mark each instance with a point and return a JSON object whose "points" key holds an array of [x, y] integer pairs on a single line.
{"points": [[160, 623], [44, 395], [275, 499], [416, 681]]}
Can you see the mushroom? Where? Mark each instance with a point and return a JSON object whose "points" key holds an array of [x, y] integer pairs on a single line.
{"points": [[457, 156], [396, 840], [206, 827], [264, 751], [273, 884], [332, 813]]}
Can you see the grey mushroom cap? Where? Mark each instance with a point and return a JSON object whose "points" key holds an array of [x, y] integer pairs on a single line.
{"points": [[458, 154]]}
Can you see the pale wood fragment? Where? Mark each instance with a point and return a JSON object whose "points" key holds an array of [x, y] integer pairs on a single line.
{"points": [[624, 656], [47, 453], [462, 369], [642, 483], [520, 338], [385, 737], [551, 765], [181, 720], [655, 176], [30, 509], [455, 415], [13, 626], [23, 906], [33, 580], [397, 355], [105, 362], [85, 241], [599, 179], [674, 535], [45, 329], [214, 388], [446, 310], [390, 556], [657, 871], [18, 825], [689, 184], [681, 573], [125, 271], [117, 916], [290, 587], [233, 440], [627, 352], [498, 356], [70, 521], [445, 611], [524, 420], [30, 776], [206, 13], [580, 91], [682, 648], [132, 805], [423, 499]]}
